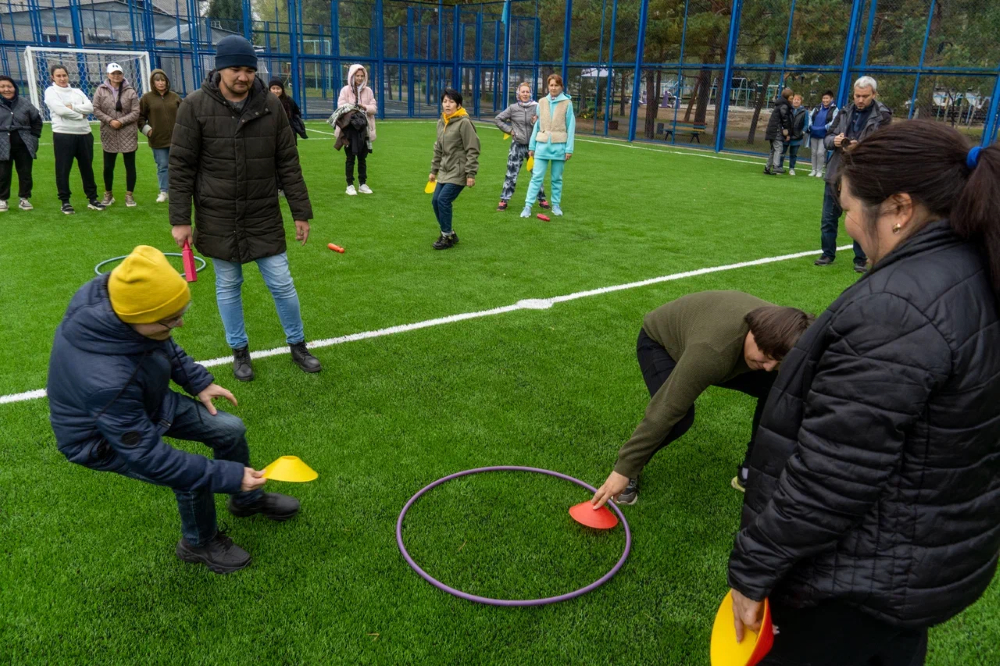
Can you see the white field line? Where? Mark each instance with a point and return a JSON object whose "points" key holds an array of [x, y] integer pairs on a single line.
{"points": [[524, 304]]}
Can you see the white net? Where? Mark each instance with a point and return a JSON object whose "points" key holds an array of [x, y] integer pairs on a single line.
{"points": [[86, 68]]}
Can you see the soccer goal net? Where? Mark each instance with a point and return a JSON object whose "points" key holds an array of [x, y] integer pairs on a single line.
{"points": [[87, 69]]}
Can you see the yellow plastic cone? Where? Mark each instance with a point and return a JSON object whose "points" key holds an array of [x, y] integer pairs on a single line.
{"points": [[506, 136], [531, 163], [289, 468], [429, 187]]}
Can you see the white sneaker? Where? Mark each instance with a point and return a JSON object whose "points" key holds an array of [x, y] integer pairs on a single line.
{"points": [[791, 172], [812, 173], [351, 191], [25, 205], [819, 174], [3, 206], [364, 189], [163, 197]]}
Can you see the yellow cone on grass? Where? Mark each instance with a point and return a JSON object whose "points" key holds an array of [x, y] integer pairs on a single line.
{"points": [[289, 468]]}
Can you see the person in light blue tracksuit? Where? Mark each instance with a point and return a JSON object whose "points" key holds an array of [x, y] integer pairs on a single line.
{"points": [[551, 143]]}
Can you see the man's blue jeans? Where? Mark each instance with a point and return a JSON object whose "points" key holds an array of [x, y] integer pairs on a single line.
{"points": [[829, 224], [225, 435], [229, 296], [444, 195]]}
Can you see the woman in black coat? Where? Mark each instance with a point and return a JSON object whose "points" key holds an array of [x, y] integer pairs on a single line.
{"points": [[873, 508], [20, 127], [277, 89]]}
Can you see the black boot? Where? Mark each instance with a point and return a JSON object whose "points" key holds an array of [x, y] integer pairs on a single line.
{"points": [[304, 359], [242, 365], [272, 505], [446, 241], [220, 554]]}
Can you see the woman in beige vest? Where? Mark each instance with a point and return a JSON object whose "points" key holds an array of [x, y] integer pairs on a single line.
{"points": [[551, 143]]}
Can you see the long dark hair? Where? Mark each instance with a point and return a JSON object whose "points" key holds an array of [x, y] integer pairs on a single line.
{"points": [[934, 165]]}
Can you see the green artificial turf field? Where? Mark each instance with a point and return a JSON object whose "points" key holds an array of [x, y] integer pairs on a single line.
{"points": [[87, 569]]}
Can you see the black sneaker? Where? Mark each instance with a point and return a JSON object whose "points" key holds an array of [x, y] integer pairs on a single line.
{"points": [[304, 359], [446, 241], [220, 554], [860, 268], [502, 206], [242, 365], [543, 203], [768, 172], [630, 495], [823, 261], [271, 505], [67, 209], [95, 205]]}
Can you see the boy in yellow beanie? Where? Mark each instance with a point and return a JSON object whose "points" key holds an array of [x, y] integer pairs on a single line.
{"points": [[111, 405]]}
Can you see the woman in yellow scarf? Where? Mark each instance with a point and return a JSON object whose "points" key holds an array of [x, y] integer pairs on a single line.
{"points": [[456, 162]]}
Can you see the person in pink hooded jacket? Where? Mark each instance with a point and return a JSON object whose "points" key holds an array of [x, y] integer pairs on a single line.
{"points": [[357, 93]]}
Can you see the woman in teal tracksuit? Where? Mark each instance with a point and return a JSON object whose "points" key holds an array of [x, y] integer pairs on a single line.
{"points": [[551, 143]]}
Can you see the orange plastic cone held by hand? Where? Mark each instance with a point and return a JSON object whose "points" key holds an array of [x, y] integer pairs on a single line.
{"points": [[190, 270], [726, 651], [429, 187], [289, 468], [585, 514]]}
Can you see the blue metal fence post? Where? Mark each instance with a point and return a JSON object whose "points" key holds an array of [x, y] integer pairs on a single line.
{"points": [[410, 89], [537, 47], [456, 71], [722, 102], [993, 119], [335, 43], [600, 52], [293, 46], [788, 41], [380, 57], [637, 78], [868, 33], [478, 54], [567, 30], [849, 48], [611, 68], [194, 26], [680, 76], [247, 20], [505, 74], [923, 53], [74, 16]]}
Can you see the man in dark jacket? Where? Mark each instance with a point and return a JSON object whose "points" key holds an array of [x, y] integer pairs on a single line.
{"points": [[231, 138], [779, 128], [111, 405], [854, 123]]}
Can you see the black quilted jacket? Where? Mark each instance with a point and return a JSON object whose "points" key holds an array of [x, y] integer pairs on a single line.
{"points": [[226, 161], [875, 478]]}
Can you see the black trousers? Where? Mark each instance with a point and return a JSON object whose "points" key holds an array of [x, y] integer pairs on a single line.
{"points": [[836, 634], [109, 170], [81, 148], [656, 366], [362, 166], [20, 158]]}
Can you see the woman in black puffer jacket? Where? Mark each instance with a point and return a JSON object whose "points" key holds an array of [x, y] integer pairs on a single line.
{"points": [[20, 127], [873, 507]]}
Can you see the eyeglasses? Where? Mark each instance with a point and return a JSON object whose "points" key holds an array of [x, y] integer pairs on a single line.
{"points": [[174, 322]]}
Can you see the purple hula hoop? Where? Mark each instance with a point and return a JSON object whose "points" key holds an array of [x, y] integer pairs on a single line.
{"points": [[509, 602]]}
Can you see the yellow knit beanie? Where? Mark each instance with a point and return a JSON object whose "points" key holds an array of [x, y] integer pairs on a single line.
{"points": [[145, 288]]}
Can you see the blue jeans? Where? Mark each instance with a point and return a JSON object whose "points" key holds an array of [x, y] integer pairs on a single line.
{"points": [[830, 223], [228, 295], [162, 157], [224, 434], [792, 150], [444, 195], [538, 176]]}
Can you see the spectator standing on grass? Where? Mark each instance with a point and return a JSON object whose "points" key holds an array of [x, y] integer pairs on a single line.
{"points": [[854, 123], [713, 338], [518, 121], [872, 511], [800, 119], [111, 405], [71, 137], [779, 129], [551, 144], [157, 115], [232, 136], [20, 128], [277, 89], [358, 93], [116, 105], [820, 121], [455, 163]]}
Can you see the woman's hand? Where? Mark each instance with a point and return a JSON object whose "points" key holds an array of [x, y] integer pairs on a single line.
{"points": [[612, 488], [531, 153], [116, 124], [431, 178], [470, 182], [747, 614], [568, 155]]}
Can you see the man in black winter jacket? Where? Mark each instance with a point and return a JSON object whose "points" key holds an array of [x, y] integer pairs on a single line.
{"points": [[231, 138], [779, 127]]}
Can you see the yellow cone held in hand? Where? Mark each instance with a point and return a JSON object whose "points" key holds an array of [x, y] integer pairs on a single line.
{"points": [[506, 136], [531, 163], [429, 187], [289, 468]]}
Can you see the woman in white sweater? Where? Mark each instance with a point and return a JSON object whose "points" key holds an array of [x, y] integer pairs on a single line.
{"points": [[71, 137]]}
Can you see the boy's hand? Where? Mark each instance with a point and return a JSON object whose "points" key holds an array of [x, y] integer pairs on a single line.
{"points": [[214, 391], [252, 479]]}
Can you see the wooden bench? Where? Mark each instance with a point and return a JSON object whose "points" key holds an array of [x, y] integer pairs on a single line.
{"points": [[693, 129]]}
